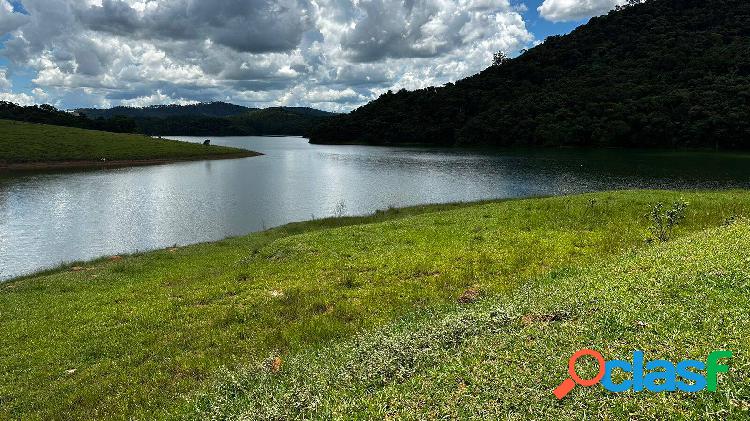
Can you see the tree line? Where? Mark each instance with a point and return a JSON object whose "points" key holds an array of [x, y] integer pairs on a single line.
{"points": [[213, 119], [659, 73], [47, 114]]}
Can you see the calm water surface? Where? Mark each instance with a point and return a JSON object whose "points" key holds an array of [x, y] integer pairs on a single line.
{"points": [[51, 218]]}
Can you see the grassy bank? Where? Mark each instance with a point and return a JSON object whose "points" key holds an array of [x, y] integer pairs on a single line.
{"points": [[501, 358], [141, 335], [25, 145]]}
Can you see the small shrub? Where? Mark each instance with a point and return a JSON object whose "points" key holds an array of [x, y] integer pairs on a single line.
{"points": [[732, 220], [663, 221]]}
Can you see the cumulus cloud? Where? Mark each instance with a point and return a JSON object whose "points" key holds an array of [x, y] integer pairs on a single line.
{"points": [[5, 84], [21, 99], [570, 10], [9, 19], [255, 26], [158, 98], [6, 92], [420, 28], [332, 54]]}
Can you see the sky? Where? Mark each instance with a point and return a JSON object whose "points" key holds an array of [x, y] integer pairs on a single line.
{"points": [[329, 54]]}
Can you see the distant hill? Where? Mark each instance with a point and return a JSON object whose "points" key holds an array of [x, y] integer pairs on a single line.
{"points": [[208, 109], [280, 120], [270, 121], [666, 73], [209, 119], [306, 111]]}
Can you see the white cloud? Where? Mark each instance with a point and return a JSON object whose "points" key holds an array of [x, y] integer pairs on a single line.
{"points": [[5, 84], [10, 21], [255, 26], [331, 54], [39, 94], [20, 99], [158, 98], [571, 10], [36, 96]]}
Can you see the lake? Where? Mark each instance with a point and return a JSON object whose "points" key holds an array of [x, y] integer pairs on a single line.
{"points": [[50, 218]]}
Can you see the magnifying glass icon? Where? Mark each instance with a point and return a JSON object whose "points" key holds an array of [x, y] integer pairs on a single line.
{"points": [[567, 386]]}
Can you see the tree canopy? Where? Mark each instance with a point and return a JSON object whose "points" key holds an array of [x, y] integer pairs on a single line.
{"points": [[47, 114], [659, 73], [209, 119]]}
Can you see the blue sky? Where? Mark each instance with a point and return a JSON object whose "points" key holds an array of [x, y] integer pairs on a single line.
{"points": [[543, 28], [329, 54]]}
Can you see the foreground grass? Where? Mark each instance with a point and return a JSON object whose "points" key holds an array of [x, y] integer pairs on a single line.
{"points": [[34, 143], [137, 337], [501, 359]]}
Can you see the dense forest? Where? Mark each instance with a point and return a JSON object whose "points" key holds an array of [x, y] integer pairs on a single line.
{"points": [[216, 119], [209, 119], [256, 122], [205, 109], [47, 114], [663, 73]]}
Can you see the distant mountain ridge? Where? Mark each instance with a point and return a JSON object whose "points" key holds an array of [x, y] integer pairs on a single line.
{"points": [[286, 121], [663, 73], [206, 119], [214, 119], [206, 109]]}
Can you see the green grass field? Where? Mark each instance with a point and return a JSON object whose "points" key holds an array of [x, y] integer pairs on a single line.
{"points": [[363, 316], [35, 143], [501, 358]]}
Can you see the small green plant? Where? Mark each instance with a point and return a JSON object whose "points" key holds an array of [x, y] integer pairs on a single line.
{"points": [[732, 220], [590, 209], [663, 221]]}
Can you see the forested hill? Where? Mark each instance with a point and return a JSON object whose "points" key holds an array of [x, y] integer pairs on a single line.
{"points": [[666, 73], [209, 119], [207, 109], [292, 121], [47, 114], [215, 119]]}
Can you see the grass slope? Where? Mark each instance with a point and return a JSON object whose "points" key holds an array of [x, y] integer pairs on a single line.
{"points": [[501, 359], [138, 336], [27, 143]]}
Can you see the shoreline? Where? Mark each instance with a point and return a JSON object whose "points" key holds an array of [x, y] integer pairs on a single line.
{"points": [[306, 225], [249, 301], [379, 215], [50, 165], [505, 148]]}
